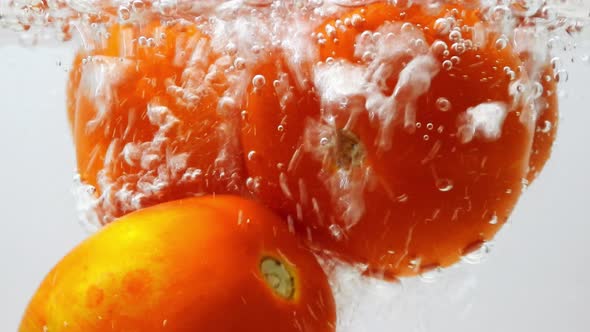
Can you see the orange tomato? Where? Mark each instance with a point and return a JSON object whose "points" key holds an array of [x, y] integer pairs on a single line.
{"points": [[546, 125], [412, 149], [200, 264], [149, 119]]}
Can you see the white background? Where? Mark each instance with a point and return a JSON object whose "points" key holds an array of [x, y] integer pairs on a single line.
{"points": [[536, 279]]}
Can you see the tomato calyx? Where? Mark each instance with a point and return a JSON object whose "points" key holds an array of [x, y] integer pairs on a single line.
{"points": [[350, 151], [278, 277]]}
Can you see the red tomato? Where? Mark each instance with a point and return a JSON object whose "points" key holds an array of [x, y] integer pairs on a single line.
{"points": [[412, 149], [201, 264], [146, 119]]}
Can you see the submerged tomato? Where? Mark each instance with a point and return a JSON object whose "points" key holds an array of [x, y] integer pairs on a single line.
{"points": [[145, 118], [201, 264], [546, 125], [412, 149]]}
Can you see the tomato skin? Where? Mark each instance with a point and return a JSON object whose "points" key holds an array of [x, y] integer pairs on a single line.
{"points": [[427, 199], [187, 265], [546, 127], [145, 119]]}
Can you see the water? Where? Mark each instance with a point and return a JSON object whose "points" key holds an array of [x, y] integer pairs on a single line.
{"points": [[59, 21]]}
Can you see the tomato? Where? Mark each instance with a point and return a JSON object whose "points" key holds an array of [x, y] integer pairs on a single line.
{"points": [[412, 147], [199, 264], [546, 125], [149, 120]]}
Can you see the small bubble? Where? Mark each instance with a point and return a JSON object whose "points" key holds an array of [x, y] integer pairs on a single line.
{"points": [[324, 141], [258, 81], [459, 48], [402, 4], [407, 27], [546, 127], [240, 63], [231, 48], [442, 26], [501, 43], [561, 76], [429, 126], [444, 185], [537, 90], [476, 253], [138, 5], [447, 65], [253, 184], [494, 220], [251, 155], [443, 104], [356, 20], [455, 35], [430, 275], [256, 49], [124, 13], [426, 137], [415, 263], [438, 47], [280, 128]]}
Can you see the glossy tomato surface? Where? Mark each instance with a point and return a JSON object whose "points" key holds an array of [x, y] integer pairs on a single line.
{"points": [[411, 143], [143, 101], [200, 264]]}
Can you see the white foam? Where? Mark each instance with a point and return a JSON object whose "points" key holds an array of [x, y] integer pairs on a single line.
{"points": [[483, 121]]}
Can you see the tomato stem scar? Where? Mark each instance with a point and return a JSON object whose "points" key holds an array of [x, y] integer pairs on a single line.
{"points": [[350, 151], [277, 277]]}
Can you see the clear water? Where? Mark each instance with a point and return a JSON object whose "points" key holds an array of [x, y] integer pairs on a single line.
{"points": [[410, 305]]}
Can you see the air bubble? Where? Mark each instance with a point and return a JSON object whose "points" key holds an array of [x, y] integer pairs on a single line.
{"points": [[430, 275], [231, 48], [443, 104], [442, 26], [138, 6], [546, 127], [253, 184], [124, 13], [258, 81], [251, 155], [501, 43], [476, 253], [240, 63], [494, 220], [402, 4], [561, 76], [438, 47], [455, 35], [459, 48], [447, 65], [444, 185]]}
